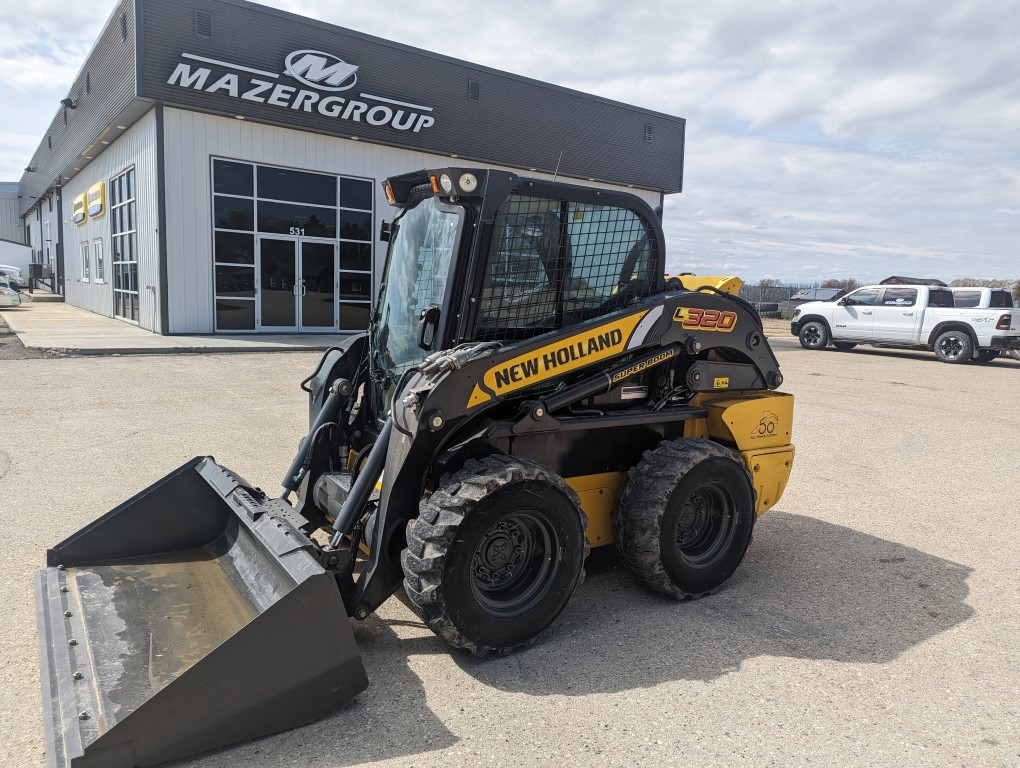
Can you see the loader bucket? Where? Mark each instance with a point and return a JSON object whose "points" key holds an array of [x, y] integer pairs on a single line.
{"points": [[192, 616]]}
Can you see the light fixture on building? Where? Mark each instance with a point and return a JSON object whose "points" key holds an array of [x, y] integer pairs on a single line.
{"points": [[239, 117], [104, 142], [29, 169], [69, 103], [122, 127]]}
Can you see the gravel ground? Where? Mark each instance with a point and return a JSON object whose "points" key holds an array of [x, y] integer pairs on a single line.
{"points": [[11, 347], [874, 621]]}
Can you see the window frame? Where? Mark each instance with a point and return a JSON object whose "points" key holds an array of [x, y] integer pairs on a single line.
{"points": [[255, 233], [847, 300], [100, 261], [886, 291], [86, 255], [124, 206]]}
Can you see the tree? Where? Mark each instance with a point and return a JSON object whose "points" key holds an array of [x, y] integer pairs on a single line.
{"points": [[847, 284], [769, 282], [981, 282]]}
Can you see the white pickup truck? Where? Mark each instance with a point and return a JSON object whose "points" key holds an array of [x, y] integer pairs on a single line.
{"points": [[911, 316]]}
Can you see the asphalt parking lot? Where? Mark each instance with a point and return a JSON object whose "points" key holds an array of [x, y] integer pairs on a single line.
{"points": [[874, 622]]}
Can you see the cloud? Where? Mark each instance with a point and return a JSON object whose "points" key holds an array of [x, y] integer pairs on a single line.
{"points": [[859, 138]]}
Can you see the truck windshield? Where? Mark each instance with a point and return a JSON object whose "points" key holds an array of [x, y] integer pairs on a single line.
{"points": [[418, 267]]}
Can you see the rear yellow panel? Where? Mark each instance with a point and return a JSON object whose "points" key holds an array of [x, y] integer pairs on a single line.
{"points": [[753, 421], [770, 471]]}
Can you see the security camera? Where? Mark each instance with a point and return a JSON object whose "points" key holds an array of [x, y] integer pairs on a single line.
{"points": [[69, 103]]}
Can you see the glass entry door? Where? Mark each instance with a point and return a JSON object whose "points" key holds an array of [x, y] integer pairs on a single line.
{"points": [[296, 285], [317, 297]]}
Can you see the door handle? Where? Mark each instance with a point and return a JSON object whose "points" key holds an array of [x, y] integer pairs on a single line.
{"points": [[908, 314], [866, 312]]}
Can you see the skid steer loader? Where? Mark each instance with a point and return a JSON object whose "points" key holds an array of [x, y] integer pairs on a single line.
{"points": [[530, 386]]}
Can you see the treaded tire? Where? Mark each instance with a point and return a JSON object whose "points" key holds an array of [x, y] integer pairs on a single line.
{"points": [[479, 568], [954, 347], [814, 335], [654, 530], [844, 346]]}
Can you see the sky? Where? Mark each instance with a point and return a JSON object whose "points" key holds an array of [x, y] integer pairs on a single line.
{"points": [[824, 139]]}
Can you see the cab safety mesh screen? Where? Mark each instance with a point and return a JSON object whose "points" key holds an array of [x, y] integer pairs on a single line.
{"points": [[553, 263]]}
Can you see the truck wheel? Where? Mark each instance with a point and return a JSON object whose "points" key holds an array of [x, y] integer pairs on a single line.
{"points": [[495, 554], [953, 347], [814, 335], [685, 517], [1014, 353], [986, 356], [844, 346]]}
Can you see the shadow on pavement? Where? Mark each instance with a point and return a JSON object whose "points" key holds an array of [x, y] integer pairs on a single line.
{"points": [[807, 589]]}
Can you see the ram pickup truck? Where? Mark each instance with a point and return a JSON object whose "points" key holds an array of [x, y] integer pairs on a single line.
{"points": [[909, 316]]}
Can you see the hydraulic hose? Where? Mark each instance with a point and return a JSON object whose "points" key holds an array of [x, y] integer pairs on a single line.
{"points": [[363, 486]]}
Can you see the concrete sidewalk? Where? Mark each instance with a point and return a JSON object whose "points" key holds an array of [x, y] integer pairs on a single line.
{"points": [[59, 327]]}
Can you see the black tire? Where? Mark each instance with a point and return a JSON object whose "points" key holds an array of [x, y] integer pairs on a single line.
{"points": [[844, 346], [954, 347], [986, 356], [494, 515], [814, 335], [685, 517]]}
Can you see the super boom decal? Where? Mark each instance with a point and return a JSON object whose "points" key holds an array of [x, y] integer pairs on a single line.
{"points": [[555, 359]]}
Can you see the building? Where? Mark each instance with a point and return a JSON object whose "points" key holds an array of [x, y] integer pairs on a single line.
{"points": [[212, 155]]}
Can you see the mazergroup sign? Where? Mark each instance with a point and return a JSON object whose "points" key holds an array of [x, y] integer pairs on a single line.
{"points": [[324, 74]]}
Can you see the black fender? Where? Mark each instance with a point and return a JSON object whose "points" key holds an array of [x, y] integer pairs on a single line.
{"points": [[952, 325], [816, 319]]}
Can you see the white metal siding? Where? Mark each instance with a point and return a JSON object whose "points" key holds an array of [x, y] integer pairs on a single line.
{"points": [[191, 138], [136, 147], [10, 222]]}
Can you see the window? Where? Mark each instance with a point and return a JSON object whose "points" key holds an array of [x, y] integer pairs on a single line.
{"points": [[251, 200], [937, 298], [966, 298], [1001, 299], [556, 262], [124, 242], [899, 297], [85, 262], [864, 297], [97, 253]]}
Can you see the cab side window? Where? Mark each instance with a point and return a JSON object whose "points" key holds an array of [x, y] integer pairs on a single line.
{"points": [[966, 298], [864, 297], [899, 297], [940, 299], [553, 263]]}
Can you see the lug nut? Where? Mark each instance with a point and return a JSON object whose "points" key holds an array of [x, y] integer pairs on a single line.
{"points": [[83, 716], [67, 614], [72, 641], [63, 589], [77, 675]]}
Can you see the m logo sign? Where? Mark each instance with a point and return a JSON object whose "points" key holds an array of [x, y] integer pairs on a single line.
{"points": [[321, 70]]}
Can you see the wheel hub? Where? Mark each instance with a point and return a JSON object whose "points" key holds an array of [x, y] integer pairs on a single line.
{"points": [[951, 347], [704, 525], [512, 565]]}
